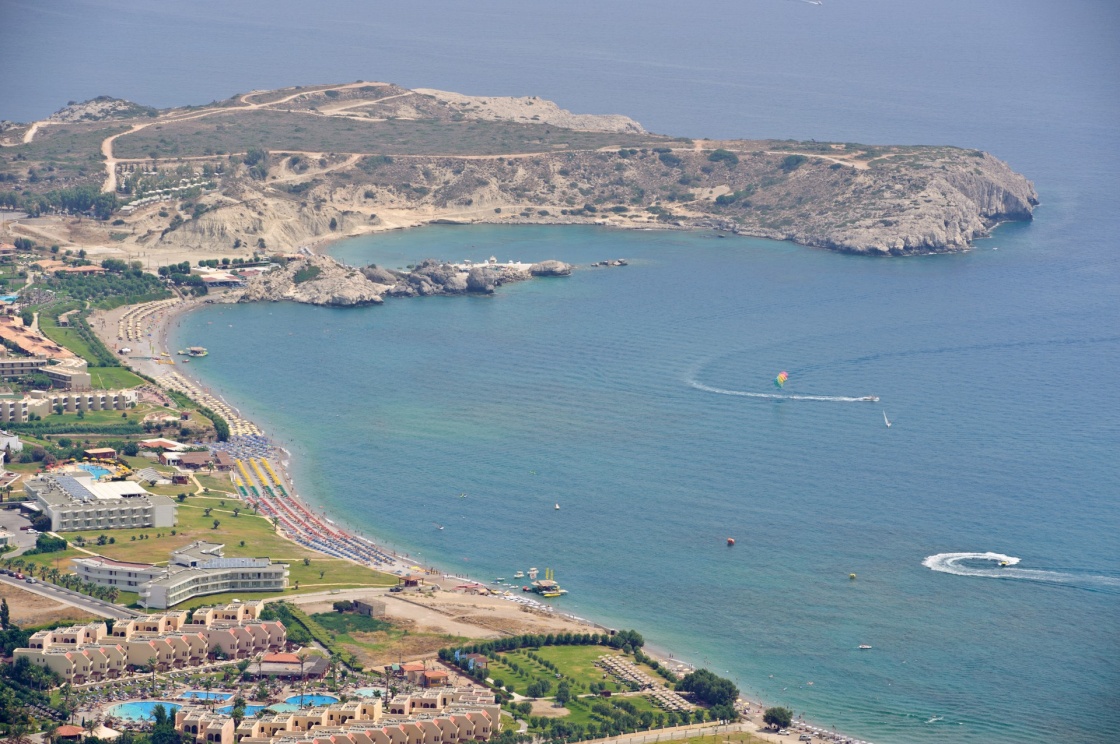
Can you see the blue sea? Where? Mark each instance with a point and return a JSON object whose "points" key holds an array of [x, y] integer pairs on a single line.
{"points": [[634, 397]]}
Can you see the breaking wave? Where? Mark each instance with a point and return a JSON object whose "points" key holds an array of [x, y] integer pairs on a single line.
{"points": [[963, 564]]}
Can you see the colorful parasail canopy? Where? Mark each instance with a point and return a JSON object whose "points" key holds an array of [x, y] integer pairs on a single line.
{"points": [[780, 380]]}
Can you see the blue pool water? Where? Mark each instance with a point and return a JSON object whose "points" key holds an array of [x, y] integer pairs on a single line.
{"points": [[204, 695], [250, 710], [311, 700], [141, 710], [369, 692], [95, 470], [283, 707]]}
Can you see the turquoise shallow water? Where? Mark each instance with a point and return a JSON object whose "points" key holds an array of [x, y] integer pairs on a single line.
{"points": [[599, 392]]}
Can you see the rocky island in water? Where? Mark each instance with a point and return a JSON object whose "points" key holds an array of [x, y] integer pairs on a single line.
{"points": [[275, 171]]}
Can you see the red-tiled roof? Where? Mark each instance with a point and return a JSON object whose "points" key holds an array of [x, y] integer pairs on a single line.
{"points": [[281, 658], [68, 731]]}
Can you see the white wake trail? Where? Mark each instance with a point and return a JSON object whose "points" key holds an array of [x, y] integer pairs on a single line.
{"points": [[774, 396], [955, 563]]}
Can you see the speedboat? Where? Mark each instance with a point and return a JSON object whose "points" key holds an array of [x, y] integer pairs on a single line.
{"points": [[1004, 564], [519, 575], [863, 647], [870, 398]]}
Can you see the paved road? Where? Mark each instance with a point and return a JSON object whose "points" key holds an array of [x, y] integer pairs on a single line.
{"points": [[74, 599]]}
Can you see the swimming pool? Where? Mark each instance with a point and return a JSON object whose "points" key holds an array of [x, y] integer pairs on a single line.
{"points": [[283, 708], [250, 710], [311, 700], [141, 710], [95, 470], [368, 692], [204, 695]]}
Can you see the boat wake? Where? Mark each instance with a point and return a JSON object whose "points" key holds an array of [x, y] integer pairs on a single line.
{"points": [[779, 396], [1003, 567]]}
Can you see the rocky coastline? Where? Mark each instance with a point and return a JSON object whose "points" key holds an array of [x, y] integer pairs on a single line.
{"points": [[322, 280]]}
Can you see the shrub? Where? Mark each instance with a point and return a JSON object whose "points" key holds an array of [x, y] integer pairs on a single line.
{"points": [[791, 163], [307, 273], [724, 156]]}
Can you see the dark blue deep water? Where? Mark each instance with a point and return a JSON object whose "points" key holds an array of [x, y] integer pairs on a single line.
{"points": [[619, 393]]}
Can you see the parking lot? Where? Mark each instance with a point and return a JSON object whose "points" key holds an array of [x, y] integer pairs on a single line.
{"points": [[12, 520]]}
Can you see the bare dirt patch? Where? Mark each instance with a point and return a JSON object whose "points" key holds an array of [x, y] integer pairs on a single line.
{"points": [[548, 709], [29, 609]]}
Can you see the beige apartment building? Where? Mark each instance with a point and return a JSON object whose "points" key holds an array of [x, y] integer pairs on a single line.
{"points": [[455, 716], [89, 653]]}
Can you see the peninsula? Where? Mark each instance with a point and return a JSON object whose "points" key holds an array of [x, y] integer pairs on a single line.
{"points": [[282, 169]]}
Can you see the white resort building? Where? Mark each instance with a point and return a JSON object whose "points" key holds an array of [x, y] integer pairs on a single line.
{"points": [[77, 502], [193, 571]]}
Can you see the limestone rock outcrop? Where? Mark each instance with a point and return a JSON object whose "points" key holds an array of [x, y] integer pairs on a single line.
{"points": [[321, 280], [315, 280], [550, 268]]}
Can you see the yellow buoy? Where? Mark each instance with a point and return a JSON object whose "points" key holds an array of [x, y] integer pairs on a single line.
{"points": [[852, 577]]}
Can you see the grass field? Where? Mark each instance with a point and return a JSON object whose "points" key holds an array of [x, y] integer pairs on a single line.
{"points": [[279, 131], [69, 338], [576, 663], [113, 378], [376, 641]]}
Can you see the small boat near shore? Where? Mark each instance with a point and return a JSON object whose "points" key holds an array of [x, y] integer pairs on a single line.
{"points": [[870, 398], [864, 647]]}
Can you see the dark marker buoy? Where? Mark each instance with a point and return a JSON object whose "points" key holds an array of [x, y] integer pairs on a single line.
{"points": [[730, 541]]}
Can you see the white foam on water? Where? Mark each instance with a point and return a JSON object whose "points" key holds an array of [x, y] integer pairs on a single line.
{"points": [[774, 396], [954, 563]]}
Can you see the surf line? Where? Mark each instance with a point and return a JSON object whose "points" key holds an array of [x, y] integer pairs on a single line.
{"points": [[780, 396]]}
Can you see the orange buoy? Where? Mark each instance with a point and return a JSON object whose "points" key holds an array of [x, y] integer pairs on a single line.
{"points": [[730, 541]]}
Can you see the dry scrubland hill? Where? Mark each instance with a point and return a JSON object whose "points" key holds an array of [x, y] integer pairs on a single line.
{"points": [[353, 158]]}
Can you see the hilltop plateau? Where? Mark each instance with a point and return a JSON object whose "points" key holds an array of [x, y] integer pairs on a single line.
{"points": [[277, 170]]}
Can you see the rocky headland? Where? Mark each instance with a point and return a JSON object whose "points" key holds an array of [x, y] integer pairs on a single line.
{"points": [[283, 169], [322, 280]]}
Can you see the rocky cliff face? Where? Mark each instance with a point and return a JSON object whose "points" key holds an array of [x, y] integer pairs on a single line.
{"points": [[316, 280], [321, 280]]}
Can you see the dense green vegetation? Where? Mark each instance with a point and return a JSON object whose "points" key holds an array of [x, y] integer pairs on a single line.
{"points": [[75, 200], [306, 274], [306, 629], [127, 283]]}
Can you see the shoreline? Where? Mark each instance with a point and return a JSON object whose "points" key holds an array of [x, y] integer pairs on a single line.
{"points": [[159, 337]]}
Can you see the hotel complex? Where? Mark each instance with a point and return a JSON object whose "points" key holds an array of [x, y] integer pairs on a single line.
{"points": [[444, 716], [89, 653], [193, 571], [77, 502]]}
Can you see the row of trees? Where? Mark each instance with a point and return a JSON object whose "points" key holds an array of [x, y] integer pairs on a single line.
{"points": [[68, 580], [626, 640], [75, 200]]}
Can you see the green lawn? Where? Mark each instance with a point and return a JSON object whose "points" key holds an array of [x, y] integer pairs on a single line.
{"points": [[574, 662], [113, 378]]}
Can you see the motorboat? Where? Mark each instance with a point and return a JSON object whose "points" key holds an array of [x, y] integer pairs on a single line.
{"points": [[870, 398], [519, 575], [864, 647]]}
